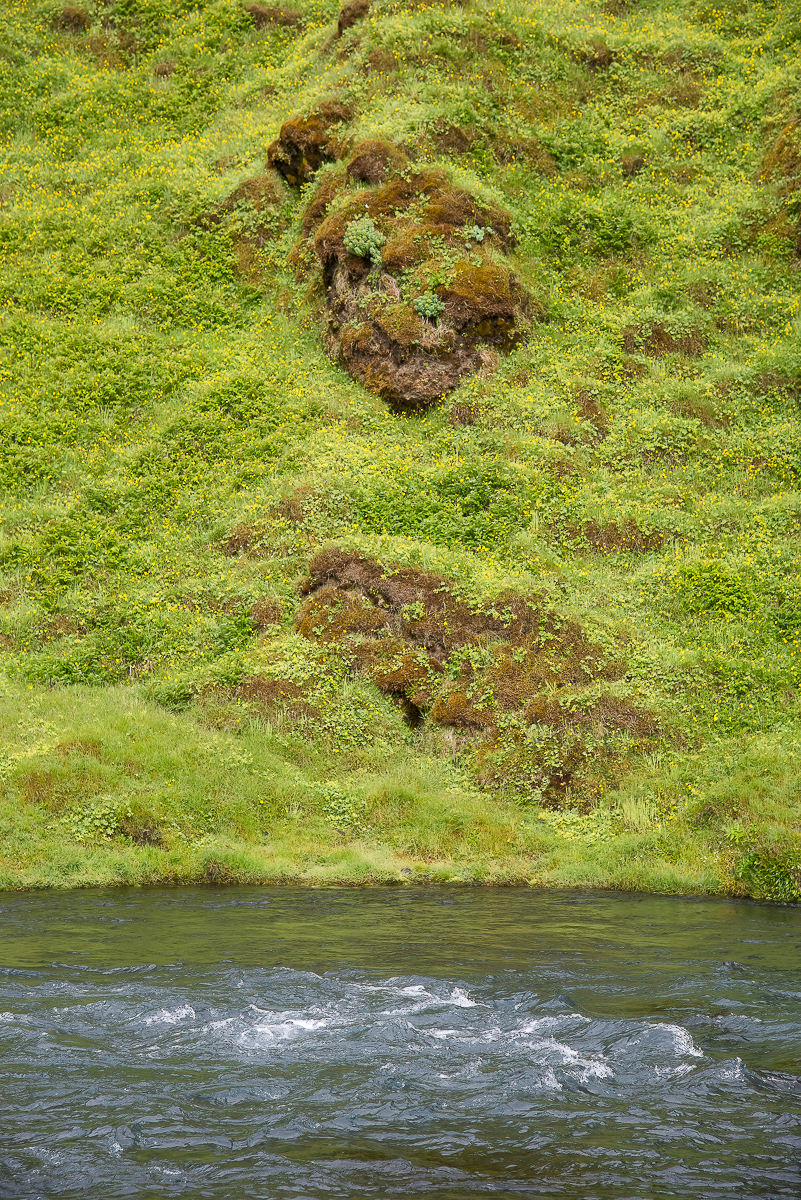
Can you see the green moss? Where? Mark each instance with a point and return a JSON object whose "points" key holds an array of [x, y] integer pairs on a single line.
{"points": [[401, 323]]}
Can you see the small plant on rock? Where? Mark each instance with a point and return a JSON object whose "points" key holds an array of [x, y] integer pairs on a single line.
{"points": [[429, 306], [364, 240]]}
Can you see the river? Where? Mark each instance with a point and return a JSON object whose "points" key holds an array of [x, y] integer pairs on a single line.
{"points": [[294, 1044]]}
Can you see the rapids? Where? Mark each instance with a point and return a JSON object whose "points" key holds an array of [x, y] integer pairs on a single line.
{"points": [[290, 1044]]}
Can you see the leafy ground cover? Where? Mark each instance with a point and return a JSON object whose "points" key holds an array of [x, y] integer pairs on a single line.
{"points": [[608, 504]]}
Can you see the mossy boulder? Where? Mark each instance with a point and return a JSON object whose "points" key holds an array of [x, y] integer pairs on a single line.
{"points": [[304, 143], [412, 321]]}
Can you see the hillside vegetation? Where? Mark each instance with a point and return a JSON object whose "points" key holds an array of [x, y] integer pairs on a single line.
{"points": [[400, 443]]}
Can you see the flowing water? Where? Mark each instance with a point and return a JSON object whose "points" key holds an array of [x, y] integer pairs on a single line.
{"points": [[290, 1044]]}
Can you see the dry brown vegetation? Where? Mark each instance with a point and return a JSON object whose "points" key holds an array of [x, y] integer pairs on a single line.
{"points": [[626, 535], [264, 15], [89, 747], [656, 340], [446, 138], [470, 668], [257, 209], [268, 696], [783, 159], [350, 13], [73, 19], [782, 163], [57, 790]]}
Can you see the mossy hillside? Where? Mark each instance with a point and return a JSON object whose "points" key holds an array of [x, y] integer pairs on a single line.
{"points": [[177, 447]]}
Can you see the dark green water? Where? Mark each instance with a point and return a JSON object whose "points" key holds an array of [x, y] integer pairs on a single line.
{"points": [[292, 1044]]}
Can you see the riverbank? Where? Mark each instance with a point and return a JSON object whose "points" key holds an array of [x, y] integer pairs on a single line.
{"points": [[274, 608], [105, 788]]}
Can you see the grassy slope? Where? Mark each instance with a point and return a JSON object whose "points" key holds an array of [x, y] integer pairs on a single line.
{"points": [[162, 387]]}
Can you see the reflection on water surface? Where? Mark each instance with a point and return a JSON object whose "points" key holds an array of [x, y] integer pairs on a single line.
{"points": [[286, 1043]]}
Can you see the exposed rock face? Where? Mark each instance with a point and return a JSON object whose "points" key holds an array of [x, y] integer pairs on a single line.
{"points": [[435, 294], [472, 669], [305, 143]]}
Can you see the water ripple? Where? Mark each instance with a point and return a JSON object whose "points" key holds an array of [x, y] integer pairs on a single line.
{"points": [[506, 1053]]}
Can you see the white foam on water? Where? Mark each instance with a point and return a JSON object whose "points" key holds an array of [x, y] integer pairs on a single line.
{"points": [[171, 1016], [549, 1082], [733, 1070], [461, 999], [588, 1068], [288, 1029], [425, 999], [545, 1051], [682, 1041], [672, 1072], [536, 1023]]}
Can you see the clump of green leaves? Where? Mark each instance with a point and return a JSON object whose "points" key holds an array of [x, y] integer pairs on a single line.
{"points": [[344, 811], [710, 587], [768, 877], [364, 240], [414, 611], [429, 306], [102, 818]]}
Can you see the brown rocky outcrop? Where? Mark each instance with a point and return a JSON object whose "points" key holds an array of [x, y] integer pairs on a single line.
{"points": [[304, 143], [420, 304], [472, 670]]}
